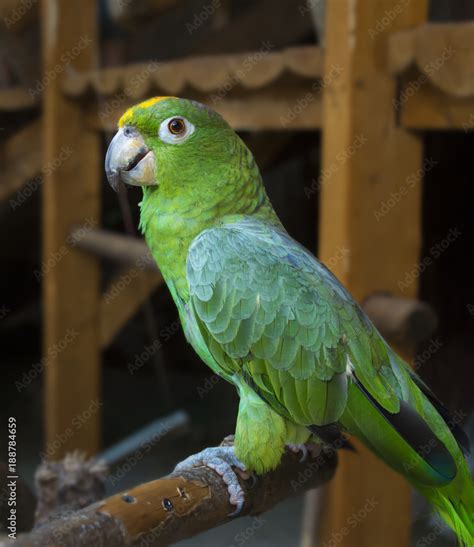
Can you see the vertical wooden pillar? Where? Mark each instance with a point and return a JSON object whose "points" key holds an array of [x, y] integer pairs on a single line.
{"points": [[367, 159], [72, 168]]}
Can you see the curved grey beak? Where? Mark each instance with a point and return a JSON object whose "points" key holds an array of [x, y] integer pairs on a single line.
{"points": [[129, 160]]}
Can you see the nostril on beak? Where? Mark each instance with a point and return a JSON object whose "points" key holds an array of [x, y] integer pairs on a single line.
{"points": [[129, 132]]}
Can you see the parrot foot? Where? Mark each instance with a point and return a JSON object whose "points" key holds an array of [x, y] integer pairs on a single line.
{"points": [[222, 460], [310, 448]]}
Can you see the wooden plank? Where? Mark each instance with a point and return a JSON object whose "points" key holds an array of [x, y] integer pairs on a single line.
{"points": [[71, 199], [114, 246], [16, 98], [426, 107], [213, 74], [21, 157], [122, 299], [276, 107], [365, 158], [442, 53], [434, 64]]}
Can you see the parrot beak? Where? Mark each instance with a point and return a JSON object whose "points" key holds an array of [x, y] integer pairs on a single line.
{"points": [[129, 160]]}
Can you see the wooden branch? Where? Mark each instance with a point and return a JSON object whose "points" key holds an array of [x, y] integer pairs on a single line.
{"points": [[116, 247], [401, 320], [178, 506], [68, 485]]}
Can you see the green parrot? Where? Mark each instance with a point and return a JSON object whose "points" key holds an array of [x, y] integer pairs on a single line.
{"points": [[262, 312]]}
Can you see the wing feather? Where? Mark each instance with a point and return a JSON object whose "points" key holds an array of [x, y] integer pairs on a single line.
{"points": [[270, 310]]}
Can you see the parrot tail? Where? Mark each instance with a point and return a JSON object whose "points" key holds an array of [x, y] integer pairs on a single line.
{"points": [[422, 443], [455, 508], [455, 502]]}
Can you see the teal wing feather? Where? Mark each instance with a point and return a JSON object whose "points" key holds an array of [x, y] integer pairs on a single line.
{"points": [[270, 312]]}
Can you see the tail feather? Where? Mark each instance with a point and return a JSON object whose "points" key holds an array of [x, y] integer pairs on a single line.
{"points": [[418, 443], [458, 515], [458, 432], [414, 433]]}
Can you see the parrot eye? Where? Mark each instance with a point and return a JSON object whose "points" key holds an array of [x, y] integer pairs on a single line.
{"points": [[175, 130], [177, 126]]}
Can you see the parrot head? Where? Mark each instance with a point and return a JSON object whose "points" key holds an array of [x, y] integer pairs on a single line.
{"points": [[195, 173], [177, 149]]}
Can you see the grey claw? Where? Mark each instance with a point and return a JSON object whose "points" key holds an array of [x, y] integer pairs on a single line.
{"points": [[220, 459], [299, 448], [235, 513]]}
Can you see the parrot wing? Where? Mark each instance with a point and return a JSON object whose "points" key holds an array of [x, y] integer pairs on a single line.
{"points": [[271, 313]]}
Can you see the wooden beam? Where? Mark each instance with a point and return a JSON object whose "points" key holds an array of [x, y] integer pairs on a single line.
{"points": [[433, 63], [20, 156], [365, 158], [268, 111], [218, 74], [114, 246], [71, 199], [16, 98], [442, 53], [130, 287], [426, 107], [295, 106], [263, 89], [122, 299]]}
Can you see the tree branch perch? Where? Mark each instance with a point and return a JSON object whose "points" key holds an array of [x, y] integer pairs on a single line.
{"points": [[178, 506]]}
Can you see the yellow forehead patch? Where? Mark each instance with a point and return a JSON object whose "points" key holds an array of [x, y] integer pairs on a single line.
{"points": [[127, 116]]}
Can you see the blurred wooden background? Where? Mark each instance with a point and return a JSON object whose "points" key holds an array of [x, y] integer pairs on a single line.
{"points": [[372, 100]]}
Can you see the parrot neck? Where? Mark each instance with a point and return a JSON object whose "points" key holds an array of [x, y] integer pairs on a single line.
{"points": [[170, 227]]}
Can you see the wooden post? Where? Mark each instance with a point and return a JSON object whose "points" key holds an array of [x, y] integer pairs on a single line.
{"points": [[366, 158], [71, 199]]}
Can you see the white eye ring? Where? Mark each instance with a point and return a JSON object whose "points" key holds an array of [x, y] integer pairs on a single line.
{"points": [[167, 136]]}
